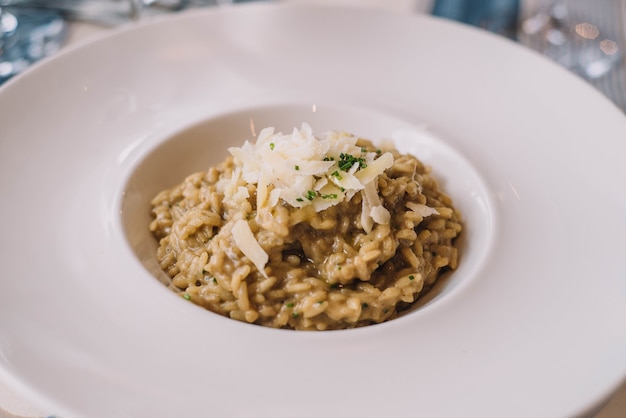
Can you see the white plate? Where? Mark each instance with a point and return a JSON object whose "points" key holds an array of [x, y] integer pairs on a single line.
{"points": [[532, 324]]}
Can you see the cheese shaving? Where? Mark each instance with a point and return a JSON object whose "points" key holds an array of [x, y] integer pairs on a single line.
{"points": [[421, 209], [303, 170], [249, 246]]}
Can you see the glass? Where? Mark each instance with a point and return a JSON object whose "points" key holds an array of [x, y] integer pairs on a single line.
{"points": [[26, 35], [588, 38], [578, 34], [498, 16], [33, 29]]}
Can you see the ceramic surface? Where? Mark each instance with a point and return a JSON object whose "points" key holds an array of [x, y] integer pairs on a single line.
{"points": [[530, 325]]}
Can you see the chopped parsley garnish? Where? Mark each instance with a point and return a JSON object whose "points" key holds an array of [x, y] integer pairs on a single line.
{"points": [[186, 296], [295, 315], [297, 167], [363, 149], [336, 174], [346, 161], [311, 194], [411, 277], [272, 146], [379, 151], [299, 199], [290, 305], [329, 158], [329, 196]]}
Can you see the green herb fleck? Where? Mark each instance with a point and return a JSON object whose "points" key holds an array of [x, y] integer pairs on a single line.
{"points": [[290, 305], [411, 277], [311, 194], [379, 151], [299, 199], [363, 149], [295, 315], [214, 280], [329, 158], [329, 196], [272, 146], [346, 161], [342, 189], [186, 296], [336, 174], [297, 167]]}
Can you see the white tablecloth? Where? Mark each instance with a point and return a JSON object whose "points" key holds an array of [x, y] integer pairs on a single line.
{"points": [[15, 405]]}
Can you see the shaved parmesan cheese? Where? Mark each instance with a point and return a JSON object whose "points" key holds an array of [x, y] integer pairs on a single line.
{"points": [[380, 215], [346, 180], [274, 197], [249, 246], [375, 168], [242, 193], [329, 196], [261, 192], [376, 210], [371, 194], [302, 170], [421, 210], [367, 223]]}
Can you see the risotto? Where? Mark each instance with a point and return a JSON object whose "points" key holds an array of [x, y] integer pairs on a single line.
{"points": [[299, 232]]}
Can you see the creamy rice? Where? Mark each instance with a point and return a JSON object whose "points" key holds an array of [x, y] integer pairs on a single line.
{"points": [[327, 254]]}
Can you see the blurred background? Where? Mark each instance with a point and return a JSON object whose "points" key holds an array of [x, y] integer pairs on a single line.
{"points": [[586, 37]]}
